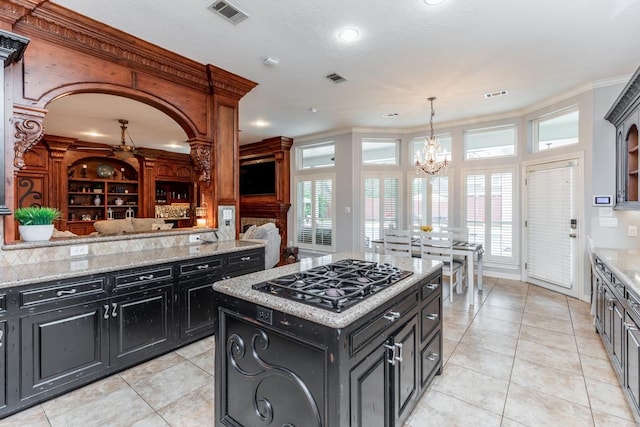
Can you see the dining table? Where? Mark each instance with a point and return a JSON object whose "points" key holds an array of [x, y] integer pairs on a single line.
{"points": [[470, 251]]}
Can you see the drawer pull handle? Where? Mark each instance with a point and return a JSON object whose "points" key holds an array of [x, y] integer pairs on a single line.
{"points": [[432, 286], [66, 292], [202, 267], [630, 326], [147, 277], [392, 359], [245, 258], [106, 312], [432, 356], [432, 316], [392, 316], [1, 336], [399, 356], [114, 313]]}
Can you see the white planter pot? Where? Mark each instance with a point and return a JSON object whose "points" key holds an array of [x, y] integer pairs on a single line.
{"points": [[36, 233]]}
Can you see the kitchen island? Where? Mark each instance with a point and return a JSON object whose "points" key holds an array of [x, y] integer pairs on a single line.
{"points": [[289, 361]]}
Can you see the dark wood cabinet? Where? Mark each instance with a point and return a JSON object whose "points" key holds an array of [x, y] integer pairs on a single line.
{"points": [[62, 348], [405, 379], [370, 394]]}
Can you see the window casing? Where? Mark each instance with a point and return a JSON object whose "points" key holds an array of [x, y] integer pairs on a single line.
{"points": [[316, 156], [557, 129], [380, 151], [429, 203], [489, 212], [381, 205], [445, 141], [497, 141], [315, 212]]}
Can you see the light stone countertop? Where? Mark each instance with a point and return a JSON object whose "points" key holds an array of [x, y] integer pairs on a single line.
{"points": [[240, 287], [25, 274], [624, 263]]}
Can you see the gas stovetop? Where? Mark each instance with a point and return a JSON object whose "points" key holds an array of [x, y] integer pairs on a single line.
{"points": [[335, 286]]}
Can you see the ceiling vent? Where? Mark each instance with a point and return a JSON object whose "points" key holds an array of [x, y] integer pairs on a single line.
{"points": [[336, 78], [228, 11], [496, 94]]}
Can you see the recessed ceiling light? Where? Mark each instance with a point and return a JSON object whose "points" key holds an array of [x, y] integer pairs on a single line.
{"points": [[348, 34], [390, 115], [433, 2], [260, 123], [313, 110], [93, 134]]}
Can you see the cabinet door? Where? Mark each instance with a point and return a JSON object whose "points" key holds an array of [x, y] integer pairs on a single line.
{"points": [[62, 349], [141, 325], [617, 327], [607, 316], [370, 394], [599, 296], [632, 367], [3, 363], [197, 311], [405, 371]]}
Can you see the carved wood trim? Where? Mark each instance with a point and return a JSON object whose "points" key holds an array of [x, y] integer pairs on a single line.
{"points": [[29, 129], [201, 156], [627, 100]]}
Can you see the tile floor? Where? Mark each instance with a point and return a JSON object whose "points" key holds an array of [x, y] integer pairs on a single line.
{"points": [[522, 356]]}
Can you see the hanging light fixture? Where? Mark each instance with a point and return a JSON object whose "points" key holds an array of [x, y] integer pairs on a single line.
{"points": [[432, 161], [123, 147]]}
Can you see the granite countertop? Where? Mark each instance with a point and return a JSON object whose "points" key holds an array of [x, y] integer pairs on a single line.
{"points": [[623, 263], [240, 287], [25, 274]]}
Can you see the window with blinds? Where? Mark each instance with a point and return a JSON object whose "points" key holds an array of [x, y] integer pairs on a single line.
{"points": [[315, 213], [380, 205], [429, 202], [489, 199]]}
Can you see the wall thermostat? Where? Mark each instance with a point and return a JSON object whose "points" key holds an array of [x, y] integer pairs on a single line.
{"points": [[606, 200]]}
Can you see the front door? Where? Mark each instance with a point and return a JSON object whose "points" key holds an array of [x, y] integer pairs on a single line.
{"points": [[552, 224]]}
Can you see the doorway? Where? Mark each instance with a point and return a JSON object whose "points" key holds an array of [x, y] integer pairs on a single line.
{"points": [[553, 223]]}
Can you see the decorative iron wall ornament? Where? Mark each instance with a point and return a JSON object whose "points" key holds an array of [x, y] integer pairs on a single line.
{"points": [[236, 351], [201, 156], [29, 129]]}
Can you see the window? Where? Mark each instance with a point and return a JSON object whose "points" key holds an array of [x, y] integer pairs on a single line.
{"points": [[489, 212], [380, 151], [314, 226], [380, 205], [429, 202], [316, 156], [499, 141], [556, 130], [417, 144]]}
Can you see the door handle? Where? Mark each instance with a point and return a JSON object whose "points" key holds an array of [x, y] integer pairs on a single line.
{"points": [[106, 312], [572, 235]]}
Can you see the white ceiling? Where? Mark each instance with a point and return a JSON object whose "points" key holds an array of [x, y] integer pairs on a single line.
{"points": [[407, 51]]}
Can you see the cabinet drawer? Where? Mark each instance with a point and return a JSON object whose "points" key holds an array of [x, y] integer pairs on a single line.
{"points": [[200, 266], [634, 304], [433, 285], [245, 260], [143, 278], [430, 318], [362, 336], [63, 291], [431, 357]]}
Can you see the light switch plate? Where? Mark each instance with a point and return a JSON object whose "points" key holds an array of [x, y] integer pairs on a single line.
{"points": [[608, 222], [632, 231], [194, 238]]}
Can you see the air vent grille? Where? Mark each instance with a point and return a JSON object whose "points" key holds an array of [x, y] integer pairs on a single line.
{"points": [[228, 11], [336, 78], [495, 94]]}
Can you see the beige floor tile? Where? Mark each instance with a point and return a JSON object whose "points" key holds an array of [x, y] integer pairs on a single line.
{"points": [[32, 417], [599, 369], [549, 356], [591, 346], [606, 420], [608, 398], [473, 387], [506, 422], [197, 348], [504, 300], [183, 379], [453, 331], [437, 410], [495, 326], [555, 310], [500, 313], [143, 371], [448, 347], [155, 420], [205, 361], [533, 408], [584, 329], [193, 409], [549, 322], [121, 408], [488, 362], [564, 385], [480, 340], [566, 342]]}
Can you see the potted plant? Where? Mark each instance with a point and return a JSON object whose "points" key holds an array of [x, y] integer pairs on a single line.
{"points": [[36, 222]]}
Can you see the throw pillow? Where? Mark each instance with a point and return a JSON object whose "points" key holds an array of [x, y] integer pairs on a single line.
{"points": [[114, 226], [249, 233], [144, 224], [262, 231]]}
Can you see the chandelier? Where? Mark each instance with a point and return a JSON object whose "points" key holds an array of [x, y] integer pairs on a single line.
{"points": [[432, 161], [123, 147]]}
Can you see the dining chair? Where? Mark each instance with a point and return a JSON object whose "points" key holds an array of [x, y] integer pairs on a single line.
{"points": [[397, 242], [438, 246]]}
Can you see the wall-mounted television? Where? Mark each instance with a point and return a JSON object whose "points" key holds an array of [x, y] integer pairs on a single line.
{"points": [[258, 177]]}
